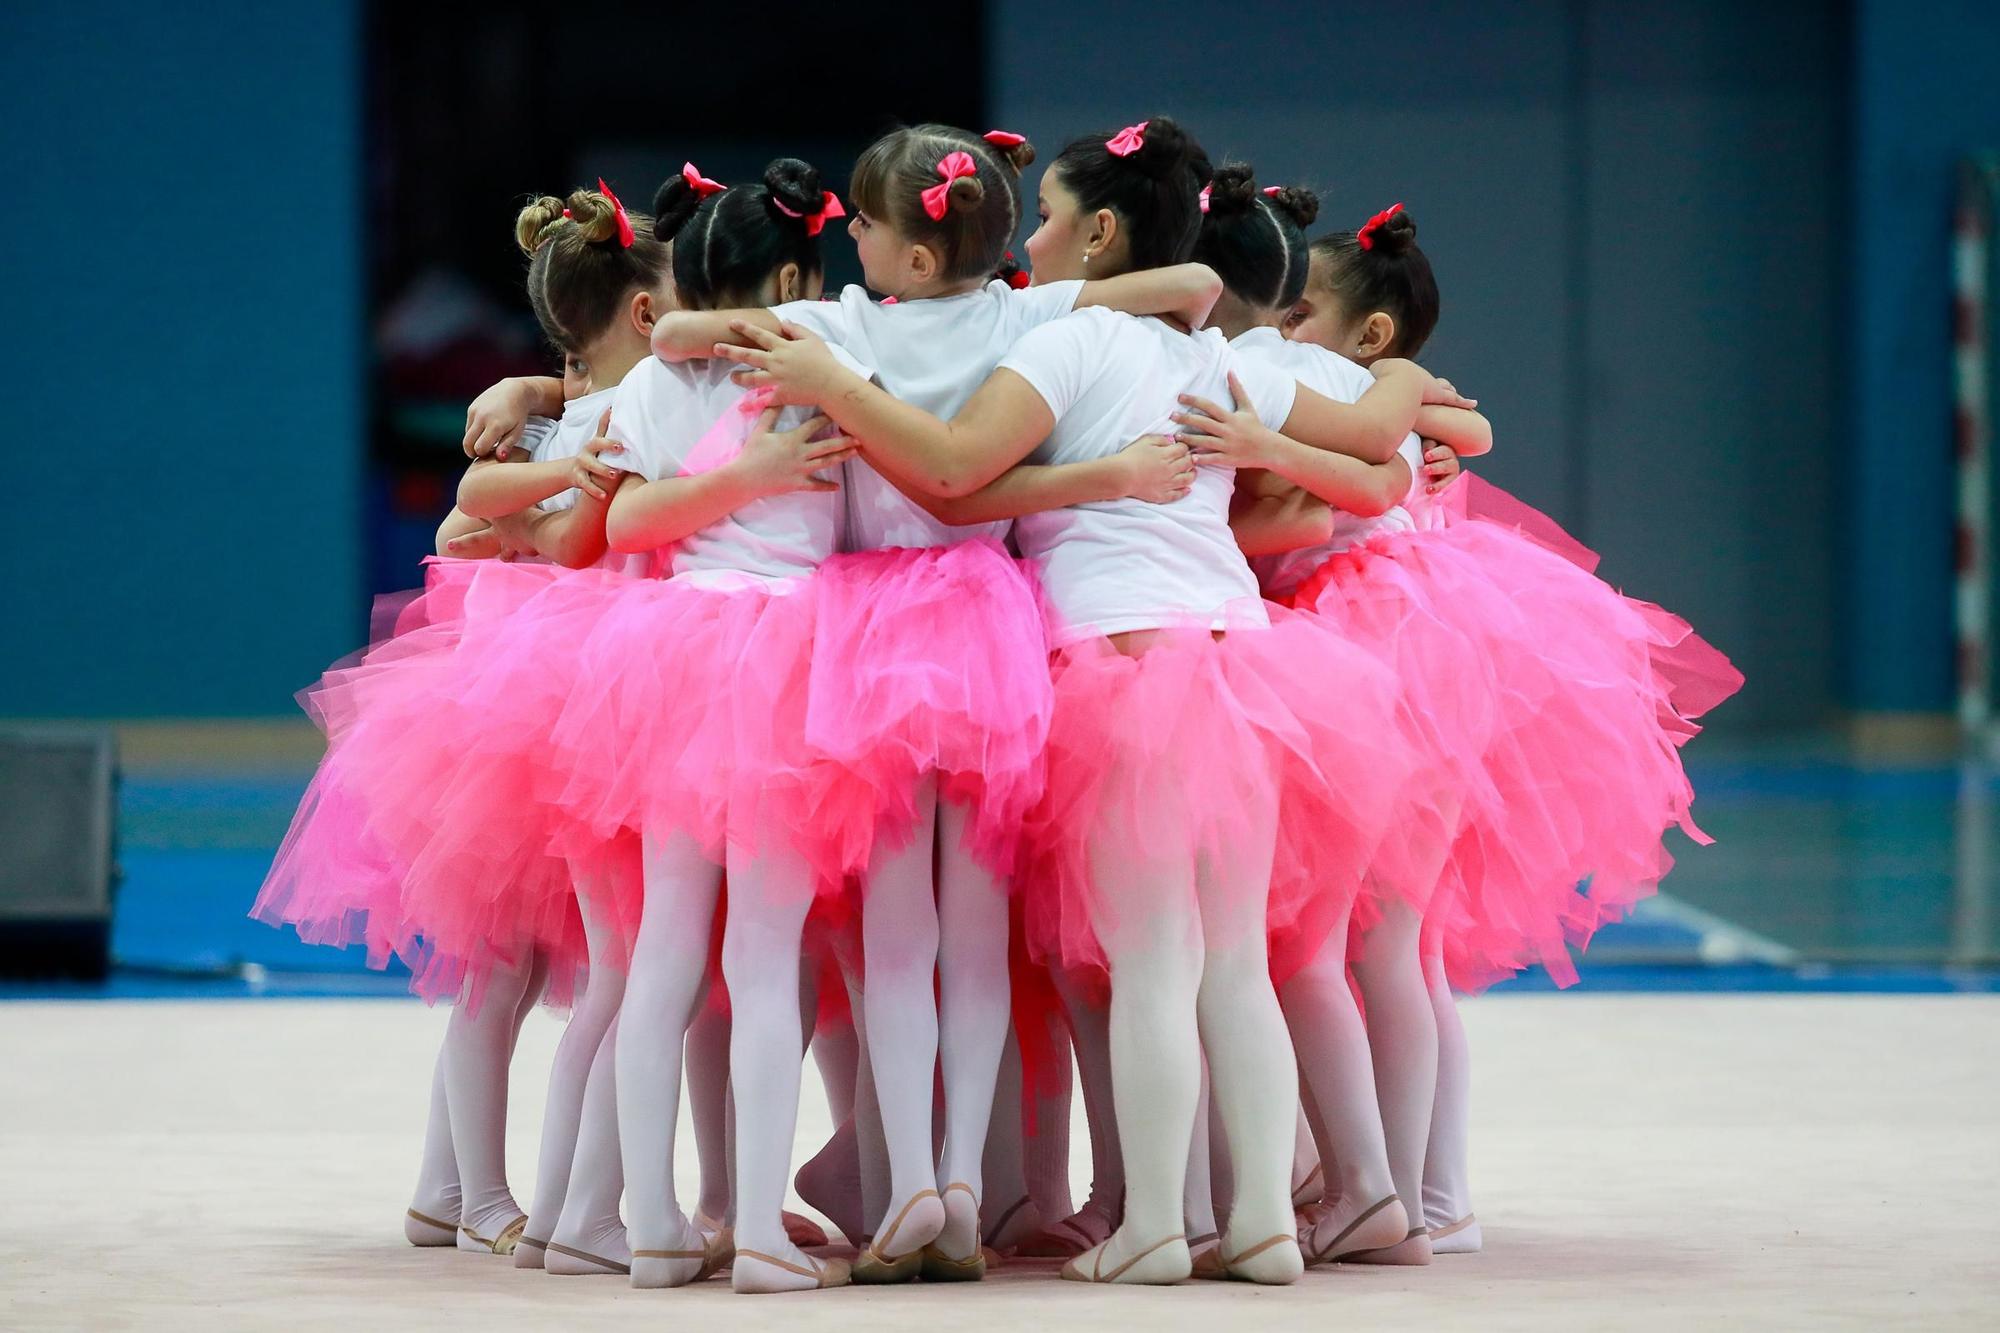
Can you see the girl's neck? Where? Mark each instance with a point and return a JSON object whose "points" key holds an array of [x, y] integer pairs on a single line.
{"points": [[1234, 318], [937, 291]]}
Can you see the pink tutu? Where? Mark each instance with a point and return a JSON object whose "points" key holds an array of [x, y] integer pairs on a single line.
{"points": [[345, 871], [935, 661], [1269, 761], [1578, 740], [688, 715]]}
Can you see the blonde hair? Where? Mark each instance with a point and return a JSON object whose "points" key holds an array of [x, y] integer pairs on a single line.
{"points": [[579, 271]]}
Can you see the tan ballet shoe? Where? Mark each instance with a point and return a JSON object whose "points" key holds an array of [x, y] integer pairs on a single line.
{"points": [[504, 1243], [825, 1273], [1073, 1271], [1412, 1251], [938, 1266], [428, 1233], [1285, 1272], [875, 1268], [598, 1263], [1460, 1237], [1311, 1188], [1381, 1224], [1205, 1252]]}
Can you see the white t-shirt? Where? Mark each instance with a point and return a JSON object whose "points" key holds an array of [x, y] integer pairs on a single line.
{"points": [[660, 413], [931, 353], [1121, 565], [550, 441], [1333, 375]]}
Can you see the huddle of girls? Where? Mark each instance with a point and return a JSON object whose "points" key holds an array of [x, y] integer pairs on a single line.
{"points": [[962, 676]]}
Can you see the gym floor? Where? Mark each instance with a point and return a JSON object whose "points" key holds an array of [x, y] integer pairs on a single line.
{"points": [[1772, 1103]]}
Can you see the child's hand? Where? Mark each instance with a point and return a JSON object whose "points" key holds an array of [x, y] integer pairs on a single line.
{"points": [[588, 471], [502, 539], [775, 462], [493, 423], [1158, 469], [1222, 437], [794, 362], [1441, 466]]}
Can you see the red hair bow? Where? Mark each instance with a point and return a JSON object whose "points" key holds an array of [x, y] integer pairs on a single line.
{"points": [[1128, 140], [617, 211], [1004, 138], [1365, 238], [955, 165], [703, 186], [1272, 189], [829, 207]]}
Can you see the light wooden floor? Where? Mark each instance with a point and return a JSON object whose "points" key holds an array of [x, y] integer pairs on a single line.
{"points": [[1671, 1162]]}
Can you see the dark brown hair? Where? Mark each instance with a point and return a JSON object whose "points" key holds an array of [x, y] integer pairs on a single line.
{"points": [[1392, 275]]}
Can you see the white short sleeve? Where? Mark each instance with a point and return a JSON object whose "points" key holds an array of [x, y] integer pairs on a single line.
{"points": [[1032, 306], [634, 425], [1057, 359], [1272, 389], [827, 319]]}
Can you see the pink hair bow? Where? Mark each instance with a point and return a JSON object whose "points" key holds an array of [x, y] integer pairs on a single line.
{"points": [[1272, 189], [829, 207], [955, 165], [1128, 140], [1365, 238], [703, 186], [1204, 198], [1004, 138], [618, 211]]}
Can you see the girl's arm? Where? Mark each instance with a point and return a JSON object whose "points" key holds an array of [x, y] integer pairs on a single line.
{"points": [[572, 537], [457, 524], [691, 335], [1466, 432], [1238, 439], [1153, 468], [494, 421], [490, 489], [1185, 291], [645, 515], [466, 538], [1004, 419], [1270, 516]]}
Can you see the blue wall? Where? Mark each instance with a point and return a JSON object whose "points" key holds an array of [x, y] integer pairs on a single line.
{"points": [[184, 289], [1926, 94], [1634, 208]]}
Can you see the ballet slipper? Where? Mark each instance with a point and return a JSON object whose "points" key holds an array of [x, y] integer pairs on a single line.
{"points": [[1383, 1224], [567, 1261], [531, 1253], [652, 1269], [766, 1274], [1160, 1264], [803, 1231], [1205, 1257], [1274, 1261], [1311, 1189], [504, 1243], [1413, 1251], [1460, 1237], [1020, 1220], [428, 1233], [876, 1266], [1071, 1236], [939, 1266]]}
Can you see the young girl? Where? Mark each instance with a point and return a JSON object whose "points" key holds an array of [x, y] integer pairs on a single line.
{"points": [[930, 672], [686, 725], [1255, 240], [1167, 666], [575, 283], [1559, 679]]}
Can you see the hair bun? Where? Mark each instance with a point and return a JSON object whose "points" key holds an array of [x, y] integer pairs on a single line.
{"points": [[965, 193], [1234, 189], [596, 217], [537, 222], [1297, 203], [1396, 236], [794, 184], [673, 204], [1020, 156], [1165, 150]]}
